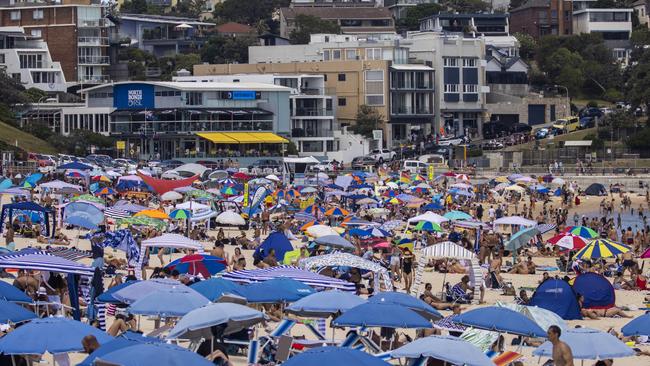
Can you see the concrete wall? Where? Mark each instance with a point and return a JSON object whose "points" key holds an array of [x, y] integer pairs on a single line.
{"points": [[499, 104]]}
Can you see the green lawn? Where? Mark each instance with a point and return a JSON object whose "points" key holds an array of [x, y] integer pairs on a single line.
{"points": [[24, 141]]}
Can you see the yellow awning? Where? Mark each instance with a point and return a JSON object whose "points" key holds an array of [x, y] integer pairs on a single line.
{"points": [[243, 137], [218, 137]]}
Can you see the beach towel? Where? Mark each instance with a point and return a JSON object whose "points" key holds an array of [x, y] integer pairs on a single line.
{"points": [[506, 358]]}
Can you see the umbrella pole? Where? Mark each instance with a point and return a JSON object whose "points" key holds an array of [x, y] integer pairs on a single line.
{"points": [[444, 277], [13, 360]]}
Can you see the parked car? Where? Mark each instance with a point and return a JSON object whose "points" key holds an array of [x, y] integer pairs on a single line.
{"points": [[170, 164], [127, 164], [415, 166], [496, 129], [211, 164], [453, 141], [323, 166], [492, 145], [41, 160], [383, 155], [360, 162], [587, 122], [566, 125], [542, 133]]}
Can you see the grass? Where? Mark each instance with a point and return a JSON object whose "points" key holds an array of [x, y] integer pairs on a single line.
{"points": [[573, 136], [24, 141]]}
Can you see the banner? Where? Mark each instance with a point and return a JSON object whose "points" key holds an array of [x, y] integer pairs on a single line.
{"points": [[431, 173], [306, 203], [246, 194]]}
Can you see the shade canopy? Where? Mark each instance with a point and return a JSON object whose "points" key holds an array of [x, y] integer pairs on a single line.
{"points": [[328, 356], [429, 217], [169, 302], [323, 304], [161, 354], [307, 277], [589, 344], [447, 249], [501, 320], [12, 313], [404, 299], [197, 323], [126, 339], [12, 293], [453, 350], [381, 315], [140, 289], [215, 288], [334, 241], [276, 290]]}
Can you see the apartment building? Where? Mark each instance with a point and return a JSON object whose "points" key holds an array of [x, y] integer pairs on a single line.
{"points": [[352, 20], [77, 36], [539, 18], [470, 24], [641, 9], [27, 59], [399, 8], [615, 26]]}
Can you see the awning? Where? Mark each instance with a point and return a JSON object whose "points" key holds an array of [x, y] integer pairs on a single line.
{"points": [[243, 137]]}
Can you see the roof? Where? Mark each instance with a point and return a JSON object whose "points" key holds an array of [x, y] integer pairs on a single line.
{"points": [[411, 67], [578, 143], [232, 27], [337, 13], [532, 4], [467, 16], [195, 86], [604, 10], [163, 19]]}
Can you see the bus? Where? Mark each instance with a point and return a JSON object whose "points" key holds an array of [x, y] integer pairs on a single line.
{"points": [[567, 124]]}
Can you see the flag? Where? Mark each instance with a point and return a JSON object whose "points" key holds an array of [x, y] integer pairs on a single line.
{"points": [[405, 177]]}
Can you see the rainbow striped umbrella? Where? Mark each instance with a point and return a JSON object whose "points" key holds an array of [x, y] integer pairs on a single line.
{"points": [[601, 248], [105, 191], [336, 211], [180, 214], [314, 210], [428, 226], [582, 231]]}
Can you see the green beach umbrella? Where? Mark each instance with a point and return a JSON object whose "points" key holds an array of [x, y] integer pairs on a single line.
{"points": [[180, 214], [428, 226]]}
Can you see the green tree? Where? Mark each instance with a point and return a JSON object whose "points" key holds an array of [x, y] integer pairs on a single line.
{"points": [[248, 11], [306, 25], [223, 50], [638, 84], [368, 119], [466, 6], [563, 67], [640, 140], [527, 45], [189, 8], [411, 21]]}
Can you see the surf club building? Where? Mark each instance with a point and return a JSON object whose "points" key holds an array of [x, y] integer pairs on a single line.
{"points": [[194, 121]]}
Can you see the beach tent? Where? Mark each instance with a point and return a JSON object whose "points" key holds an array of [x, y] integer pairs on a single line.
{"points": [[276, 240], [30, 207], [596, 189], [166, 241], [349, 260], [161, 186], [598, 292], [429, 217], [557, 296]]}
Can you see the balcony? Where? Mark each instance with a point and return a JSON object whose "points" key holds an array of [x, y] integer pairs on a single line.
{"points": [[92, 23], [92, 41], [94, 60], [396, 111], [412, 86], [312, 91], [303, 133], [313, 112], [94, 79]]}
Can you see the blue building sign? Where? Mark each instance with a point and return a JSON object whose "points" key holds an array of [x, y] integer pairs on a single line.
{"points": [[241, 95], [133, 96]]}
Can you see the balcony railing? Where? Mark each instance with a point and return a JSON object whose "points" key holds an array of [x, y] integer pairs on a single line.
{"points": [[300, 132], [313, 112], [95, 79], [93, 23], [94, 60], [92, 41], [411, 86], [409, 111], [187, 127]]}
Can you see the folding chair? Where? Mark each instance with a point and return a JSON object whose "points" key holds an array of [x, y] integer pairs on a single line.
{"points": [[253, 352], [284, 348]]}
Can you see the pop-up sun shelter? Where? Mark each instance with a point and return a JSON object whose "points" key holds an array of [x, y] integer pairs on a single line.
{"points": [[557, 296], [46, 214], [598, 292]]}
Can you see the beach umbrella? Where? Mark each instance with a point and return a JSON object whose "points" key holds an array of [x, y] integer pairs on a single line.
{"points": [[543, 317], [107, 296], [317, 231], [154, 214], [309, 224], [126, 339], [195, 264], [171, 196], [582, 231], [12, 313], [277, 290], [404, 299], [169, 302], [336, 211], [197, 323], [161, 354], [180, 214], [324, 304], [428, 226], [87, 197], [228, 191], [462, 177], [558, 181], [215, 288], [637, 326], [355, 221], [308, 190], [457, 215], [272, 177], [568, 241], [452, 350], [588, 344], [392, 225], [314, 210], [142, 221], [521, 238], [601, 248], [230, 218], [140, 289], [84, 210], [381, 315], [500, 319], [53, 335], [334, 241], [12, 293], [106, 191], [330, 355], [241, 176], [80, 221], [366, 201]]}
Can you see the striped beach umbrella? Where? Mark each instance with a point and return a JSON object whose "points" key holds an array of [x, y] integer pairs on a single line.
{"points": [[568, 241], [336, 211], [314, 210], [194, 264], [309, 224], [106, 191], [601, 248], [180, 214], [428, 226], [582, 231]]}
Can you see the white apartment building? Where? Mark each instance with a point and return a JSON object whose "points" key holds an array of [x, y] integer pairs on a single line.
{"points": [[27, 59]]}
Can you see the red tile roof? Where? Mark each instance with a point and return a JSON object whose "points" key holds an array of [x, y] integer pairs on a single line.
{"points": [[232, 27]]}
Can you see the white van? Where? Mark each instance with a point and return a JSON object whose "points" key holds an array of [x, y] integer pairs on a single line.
{"points": [[415, 166]]}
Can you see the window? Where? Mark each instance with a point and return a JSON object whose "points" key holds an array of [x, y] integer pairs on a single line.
{"points": [[450, 61], [43, 77], [326, 55], [38, 14], [324, 77], [15, 15], [451, 88], [469, 62], [351, 54], [31, 61], [470, 88], [373, 53], [342, 102], [167, 93], [374, 87], [194, 98], [16, 76], [336, 54], [341, 77], [99, 95], [36, 33], [2, 58]]}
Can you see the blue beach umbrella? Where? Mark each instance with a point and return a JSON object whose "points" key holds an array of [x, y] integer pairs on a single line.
{"points": [[197, 323], [107, 296], [588, 344], [638, 326], [140, 289], [10, 312], [160, 354], [53, 335], [404, 299], [500, 319], [457, 215], [453, 350], [276, 290], [521, 238], [171, 302], [323, 304], [12, 293], [381, 315], [215, 288], [334, 241], [328, 356], [125, 340], [81, 222]]}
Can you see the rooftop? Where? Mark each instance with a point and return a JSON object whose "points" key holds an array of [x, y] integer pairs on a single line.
{"points": [[201, 86], [338, 13], [163, 19]]}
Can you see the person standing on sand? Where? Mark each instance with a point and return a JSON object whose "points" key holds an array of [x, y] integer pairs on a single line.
{"points": [[562, 355]]}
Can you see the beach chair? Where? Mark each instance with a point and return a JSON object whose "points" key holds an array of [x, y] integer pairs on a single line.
{"points": [[284, 348], [420, 361], [253, 352], [351, 341], [282, 328], [157, 333], [505, 358], [458, 295]]}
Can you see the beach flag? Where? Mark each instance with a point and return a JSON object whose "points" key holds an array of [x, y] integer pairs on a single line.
{"points": [[405, 177]]}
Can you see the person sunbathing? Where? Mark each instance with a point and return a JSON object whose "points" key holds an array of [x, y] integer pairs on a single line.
{"points": [[520, 268], [431, 299], [455, 267], [122, 324], [45, 240], [600, 313]]}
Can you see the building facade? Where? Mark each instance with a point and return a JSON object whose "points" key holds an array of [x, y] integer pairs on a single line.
{"points": [[352, 20], [27, 59], [539, 18], [77, 36], [474, 24], [614, 25]]}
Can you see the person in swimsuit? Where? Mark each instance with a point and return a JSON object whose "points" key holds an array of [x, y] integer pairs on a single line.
{"points": [[407, 269], [562, 355], [598, 313]]}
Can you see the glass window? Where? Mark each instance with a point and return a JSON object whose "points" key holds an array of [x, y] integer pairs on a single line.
{"points": [[342, 102], [326, 55], [194, 98], [31, 61], [350, 54], [36, 33], [38, 14], [374, 87], [373, 53], [450, 61], [15, 15], [2, 58], [336, 54], [341, 77]]}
